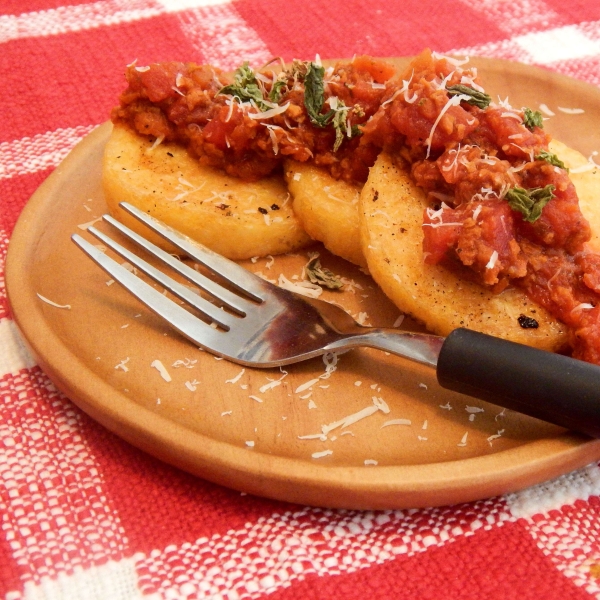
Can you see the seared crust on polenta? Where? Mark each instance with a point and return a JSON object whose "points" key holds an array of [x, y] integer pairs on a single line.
{"points": [[232, 217]]}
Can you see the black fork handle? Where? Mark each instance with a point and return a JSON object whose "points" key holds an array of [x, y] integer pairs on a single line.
{"points": [[551, 387]]}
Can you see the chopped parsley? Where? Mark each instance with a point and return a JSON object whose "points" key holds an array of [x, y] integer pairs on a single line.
{"points": [[245, 87], [314, 99], [314, 96], [551, 158], [530, 202], [277, 90], [476, 98], [532, 119]]}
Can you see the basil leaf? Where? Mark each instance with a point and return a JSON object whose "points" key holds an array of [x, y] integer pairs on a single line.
{"points": [[530, 202], [322, 276], [532, 119], [551, 158], [314, 96], [476, 98]]}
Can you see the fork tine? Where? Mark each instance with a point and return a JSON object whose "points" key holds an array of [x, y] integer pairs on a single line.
{"points": [[242, 280], [207, 308], [179, 318], [233, 301]]}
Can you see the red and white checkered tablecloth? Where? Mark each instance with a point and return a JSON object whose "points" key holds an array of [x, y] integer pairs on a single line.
{"points": [[86, 516]]}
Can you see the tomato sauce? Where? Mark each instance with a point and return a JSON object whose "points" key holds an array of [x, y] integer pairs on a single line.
{"points": [[249, 137], [478, 164]]}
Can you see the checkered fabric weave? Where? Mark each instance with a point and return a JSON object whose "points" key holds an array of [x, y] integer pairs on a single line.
{"points": [[86, 516]]}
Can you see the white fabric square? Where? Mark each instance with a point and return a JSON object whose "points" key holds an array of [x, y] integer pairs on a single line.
{"points": [[176, 5], [114, 580], [13, 354], [564, 43]]}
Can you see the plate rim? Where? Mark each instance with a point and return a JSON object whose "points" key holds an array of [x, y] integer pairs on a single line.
{"points": [[415, 485]]}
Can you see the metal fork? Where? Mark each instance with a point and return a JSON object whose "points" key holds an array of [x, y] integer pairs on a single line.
{"points": [[255, 323]]}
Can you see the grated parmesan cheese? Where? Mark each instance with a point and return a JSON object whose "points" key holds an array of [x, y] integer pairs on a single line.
{"points": [[236, 378], [381, 404], [188, 363], [161, 369], [272, 112], [192, 385], [493, 259], [273, 383], [305, 288], [122, 364], [44, 299], [85, 226], [454, 101], [396, 422], [322, 453], [589, 166], [571, 111], [495, 436]]}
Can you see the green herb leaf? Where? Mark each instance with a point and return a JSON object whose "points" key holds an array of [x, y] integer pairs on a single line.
{"points": [[314, 96], [245, 87], [532, 119], [551, 158], [320, 275], [277, 90], [476, 98], [530, 202]]}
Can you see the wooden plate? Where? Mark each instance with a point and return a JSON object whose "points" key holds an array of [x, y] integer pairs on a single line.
{"points": [[218, 421]]}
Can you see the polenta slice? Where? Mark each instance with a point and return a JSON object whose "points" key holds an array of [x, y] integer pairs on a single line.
{"points": [[586, 179], [327, 208], [237, 219], [391, 218]]}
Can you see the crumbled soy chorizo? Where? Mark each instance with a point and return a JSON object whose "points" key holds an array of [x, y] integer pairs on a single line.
{"points": [[501, 204], [247, 123]]}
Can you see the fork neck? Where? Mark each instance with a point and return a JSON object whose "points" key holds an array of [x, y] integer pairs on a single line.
{"points": [[419, 347]]}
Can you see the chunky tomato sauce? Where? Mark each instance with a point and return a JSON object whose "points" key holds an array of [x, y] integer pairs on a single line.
{"points": [[249, 138], [500, 203], [479, 164]]}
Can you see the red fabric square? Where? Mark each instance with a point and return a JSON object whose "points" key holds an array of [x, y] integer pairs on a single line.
{"points": [[575, 11], [10, 581], [15, 192], [81, 74], [341, 28], [159, 505], [501, 564]]}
